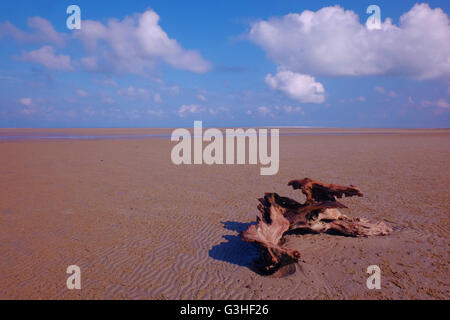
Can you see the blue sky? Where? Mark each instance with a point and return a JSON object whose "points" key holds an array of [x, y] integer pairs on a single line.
{"points": [[228, 63]]}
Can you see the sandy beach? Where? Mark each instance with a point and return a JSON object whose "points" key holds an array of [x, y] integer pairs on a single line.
{"points": [[140, 227]]}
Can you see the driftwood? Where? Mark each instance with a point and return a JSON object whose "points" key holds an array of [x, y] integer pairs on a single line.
{"points": [[319, 213]]}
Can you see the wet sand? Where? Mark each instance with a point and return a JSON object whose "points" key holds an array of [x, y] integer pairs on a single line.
{"points": [[140, 227]]}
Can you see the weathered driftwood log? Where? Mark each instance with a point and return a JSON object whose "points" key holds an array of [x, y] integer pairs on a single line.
{"points": [[319, 213]]}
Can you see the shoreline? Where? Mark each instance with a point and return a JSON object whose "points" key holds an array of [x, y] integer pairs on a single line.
{"points": [[148, 133]]}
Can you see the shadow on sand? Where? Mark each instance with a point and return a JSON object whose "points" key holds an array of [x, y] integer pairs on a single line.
{"points": [[234, 250]]}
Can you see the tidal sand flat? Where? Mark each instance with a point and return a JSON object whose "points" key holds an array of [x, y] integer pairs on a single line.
{"points": [[139, 227]]}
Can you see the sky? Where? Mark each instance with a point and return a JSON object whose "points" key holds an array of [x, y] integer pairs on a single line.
{"points": [[242, 63]]}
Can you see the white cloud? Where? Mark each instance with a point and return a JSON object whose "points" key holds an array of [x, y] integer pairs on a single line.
{"points": [[47, 57], [155, 112], [277, 111], [8, 78], [132, 92], [191, 108], [393, 94], [215, 111], [134, 44], [131, 45], [175, 90], [289, 109], [380, 90], [201, 97], [265, 111], [89, 111], [42, 31], [358, 99], [89, 63], [26, 101], [108, 100], [441, 103], [297, 86], [82, 93], [109, 82], [30, 106], [333, 42], [157, 98], [29, 110], [383, 91]]}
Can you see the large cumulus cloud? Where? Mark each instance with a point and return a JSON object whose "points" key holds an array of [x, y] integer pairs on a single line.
{"points": [[333, 42], [133, 44]]}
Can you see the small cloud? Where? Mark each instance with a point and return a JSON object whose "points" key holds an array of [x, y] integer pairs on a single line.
{"points": [[42, 31], [157, 98], [89, 63], [358, 99], [393, 94], [155, 112], [192, 108], [175, 89], [300, 87], [108, 100], [89, 111], [29, 110], [82, 93], [30, 106], [201, 97], [26, 101], [132, 92], [426, 103], [215, 111], [380, 90], [383, 91], [289, 109], [109, 83], [264, 111], [441, 103], [361, 99], [47, 57], [278, 111]]}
